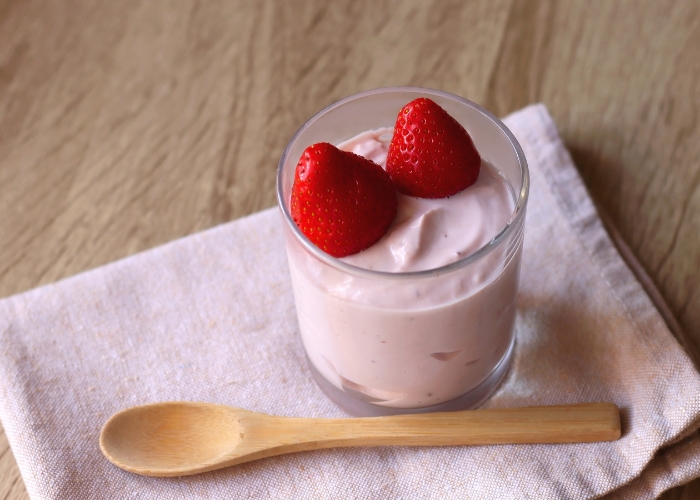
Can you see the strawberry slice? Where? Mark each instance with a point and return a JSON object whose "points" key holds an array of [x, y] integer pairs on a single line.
{"points": [[431, 155], [341, 201]]}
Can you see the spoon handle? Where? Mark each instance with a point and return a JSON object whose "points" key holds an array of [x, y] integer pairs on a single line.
{"points": [[576, 423]]}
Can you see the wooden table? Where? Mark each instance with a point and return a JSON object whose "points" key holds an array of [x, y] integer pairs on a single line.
{"points": [[124, 125]]}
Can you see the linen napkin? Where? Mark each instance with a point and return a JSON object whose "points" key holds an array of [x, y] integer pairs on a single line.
{"points": [[211, 317]]}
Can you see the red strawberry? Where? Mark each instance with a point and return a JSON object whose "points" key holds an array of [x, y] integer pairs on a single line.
{"points": [[431, 155], [341, 201]]}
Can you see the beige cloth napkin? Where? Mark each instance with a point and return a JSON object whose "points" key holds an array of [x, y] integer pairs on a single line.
{"points": [[211, 318]]}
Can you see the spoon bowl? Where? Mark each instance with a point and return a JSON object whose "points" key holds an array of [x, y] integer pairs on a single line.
{"points": [[181, 438], [171, 436]]}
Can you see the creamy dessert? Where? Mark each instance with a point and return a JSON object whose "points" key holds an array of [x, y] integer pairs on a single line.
{"points": [[414, 344], [404, 248]]}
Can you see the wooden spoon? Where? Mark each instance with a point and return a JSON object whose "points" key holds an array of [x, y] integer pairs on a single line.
{"points": [[179, 438]]}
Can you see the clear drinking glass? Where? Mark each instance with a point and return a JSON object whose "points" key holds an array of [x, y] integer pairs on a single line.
{"points": [[434, 340]]}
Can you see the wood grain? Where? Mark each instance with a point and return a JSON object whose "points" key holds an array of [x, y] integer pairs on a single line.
{"points": [[124, 125]]}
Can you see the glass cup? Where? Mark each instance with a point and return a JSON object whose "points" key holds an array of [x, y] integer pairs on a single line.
{"points": [[434, 340]]}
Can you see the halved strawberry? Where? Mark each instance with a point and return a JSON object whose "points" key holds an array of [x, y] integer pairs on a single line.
{"points": [[431, 155], [341, 201]]}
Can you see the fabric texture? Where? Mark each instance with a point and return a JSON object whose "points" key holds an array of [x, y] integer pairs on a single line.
{"points": [[211, 317]]}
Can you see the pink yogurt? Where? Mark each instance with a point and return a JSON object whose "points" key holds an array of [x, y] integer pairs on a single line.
{"points": [[415, 343]]}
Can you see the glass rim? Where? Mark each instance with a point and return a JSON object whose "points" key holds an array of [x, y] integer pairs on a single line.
{"points": [[514, 221]]}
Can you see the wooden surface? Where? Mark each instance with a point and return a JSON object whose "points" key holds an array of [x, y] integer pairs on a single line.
{"points": [[124, 125]]}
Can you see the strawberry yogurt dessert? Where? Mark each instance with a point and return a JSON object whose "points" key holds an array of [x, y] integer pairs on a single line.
{"points": [[403, 212]]}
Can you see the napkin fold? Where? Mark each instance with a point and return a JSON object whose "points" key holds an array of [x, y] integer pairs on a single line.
{"points": [[211, 317]]}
